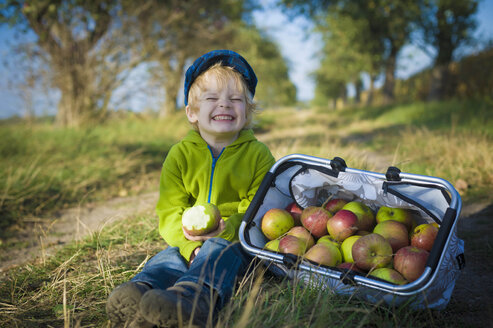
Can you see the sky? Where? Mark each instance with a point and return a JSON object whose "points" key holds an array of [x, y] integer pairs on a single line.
{"points": [[297, 47]]}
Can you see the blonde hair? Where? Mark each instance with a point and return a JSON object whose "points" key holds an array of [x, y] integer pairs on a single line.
{"points": [[223, 74]]}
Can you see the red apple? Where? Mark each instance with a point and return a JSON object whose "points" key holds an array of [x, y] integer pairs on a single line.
{"points": [[302, 234], [395, 232], [335, 205], [410, 261], [295, 211], [401, 215], [201, 219], [314, 219], [342, 225], [276, 222], [324, 254], [390, 275], [293, 245], [424, 235], [366, 218], [347, 247], [371, 252]]}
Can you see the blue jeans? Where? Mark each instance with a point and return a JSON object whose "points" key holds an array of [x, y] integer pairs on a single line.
{"points": [[217, 265]]}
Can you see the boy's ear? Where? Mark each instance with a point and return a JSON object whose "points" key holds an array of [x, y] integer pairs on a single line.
{"points": [[191, 115]]}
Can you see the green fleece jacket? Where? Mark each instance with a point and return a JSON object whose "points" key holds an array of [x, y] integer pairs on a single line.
{"points": [[191, 175]]}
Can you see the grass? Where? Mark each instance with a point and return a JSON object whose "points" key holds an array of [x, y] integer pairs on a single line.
{"points": [[45, 169]]}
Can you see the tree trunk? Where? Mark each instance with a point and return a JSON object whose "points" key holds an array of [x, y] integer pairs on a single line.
{"points": [[371, 90], [389, 85], [173, 75]]}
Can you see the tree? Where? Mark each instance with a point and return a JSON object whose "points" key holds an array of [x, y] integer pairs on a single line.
{"points": [[174, 32], [446, 25], [81, 43], [274, 87], [388, 26]]}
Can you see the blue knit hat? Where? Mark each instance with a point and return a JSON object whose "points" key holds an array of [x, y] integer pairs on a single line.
{"points": [[227, 58]]}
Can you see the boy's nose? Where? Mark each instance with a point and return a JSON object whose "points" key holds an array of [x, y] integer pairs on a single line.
{"points": [[224, 103]]}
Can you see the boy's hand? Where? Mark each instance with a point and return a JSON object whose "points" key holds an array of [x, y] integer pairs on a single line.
{"points": [[211, 234]]}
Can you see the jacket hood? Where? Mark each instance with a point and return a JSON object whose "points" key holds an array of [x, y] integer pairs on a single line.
{"points": [[195, 138]]}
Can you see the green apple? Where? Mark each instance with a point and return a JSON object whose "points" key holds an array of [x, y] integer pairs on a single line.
{"points": [[276, 222], [327, 239], [366, 218], [401, 215], [324, 254], [347, 246], [201, 219], [272, 245], [389, 275]]}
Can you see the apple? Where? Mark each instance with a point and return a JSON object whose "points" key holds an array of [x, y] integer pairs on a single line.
{"points": [[324, 254], [335, 205], [201, 219], [395, 232], [347, 246], [295, 211], [390, 275], [314, 219], [293, 245], [342, 225], [350, 266], [424, 235], [327, 239], [371, 252], [410, 261], [272, 245], [366, 218], [402, 215], [303, 234], [276, 222]]}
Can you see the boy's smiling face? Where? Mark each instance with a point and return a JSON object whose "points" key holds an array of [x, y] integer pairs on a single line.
{"points": [[221, 111]]}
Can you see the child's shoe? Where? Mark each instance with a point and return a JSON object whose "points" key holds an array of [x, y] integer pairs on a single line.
{"points": [[122, 306], [179, 305]]}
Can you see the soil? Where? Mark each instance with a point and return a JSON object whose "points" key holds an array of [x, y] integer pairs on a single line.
{"points": [[472, 300]]}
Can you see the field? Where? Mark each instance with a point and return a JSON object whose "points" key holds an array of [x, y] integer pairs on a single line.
{"points": [[45, 170]]}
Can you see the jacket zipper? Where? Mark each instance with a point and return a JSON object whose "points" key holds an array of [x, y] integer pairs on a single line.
{"points": [[214, 161]]}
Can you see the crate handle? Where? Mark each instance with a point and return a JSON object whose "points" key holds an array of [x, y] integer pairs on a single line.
{"points": [[393, 174], [338, 164]]}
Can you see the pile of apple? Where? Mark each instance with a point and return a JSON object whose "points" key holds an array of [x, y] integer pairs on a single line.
{"points": [[388, 245]]}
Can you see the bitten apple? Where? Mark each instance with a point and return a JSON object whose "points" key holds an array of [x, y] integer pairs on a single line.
{"points": [[395, 232], [342, 225], [276, 222], [410, 261], [201, 219], [366, 218], [401, 215], [424, 235], [324, 254], [371, 252], [314, 219]]}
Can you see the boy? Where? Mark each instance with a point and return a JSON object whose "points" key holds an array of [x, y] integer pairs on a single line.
{"points": [[219, 162]]}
